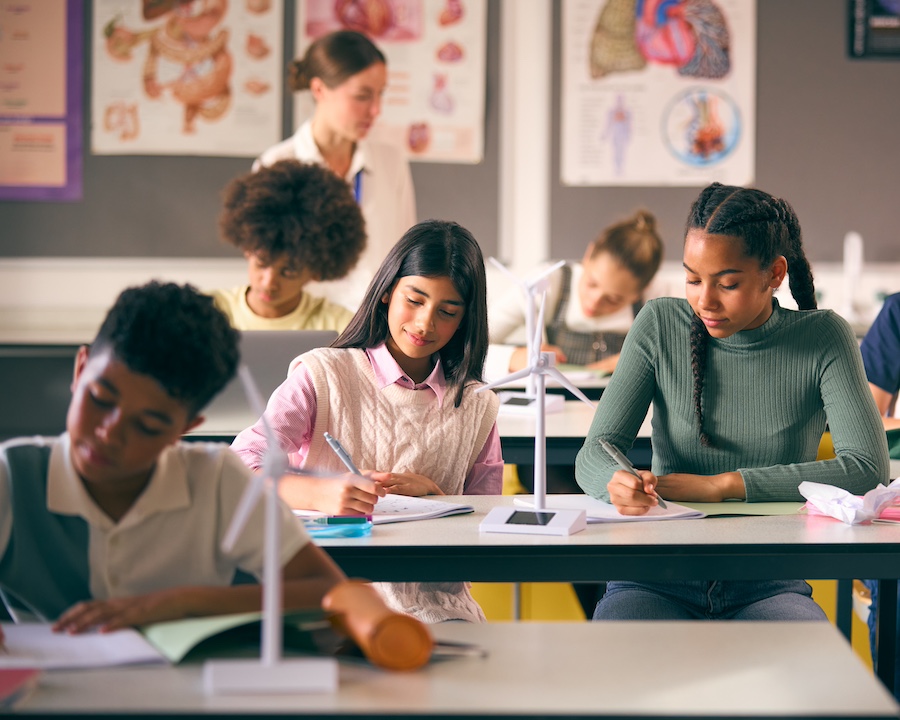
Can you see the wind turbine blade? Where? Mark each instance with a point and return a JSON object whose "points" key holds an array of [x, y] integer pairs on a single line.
{"points": [[274, 462], [567, 384], [538, 333], [525, 372], [544, 274], [242, 512], [509, 273]]}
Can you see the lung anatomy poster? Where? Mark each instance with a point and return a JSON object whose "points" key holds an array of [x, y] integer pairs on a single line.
{"points": [[658, 92]]}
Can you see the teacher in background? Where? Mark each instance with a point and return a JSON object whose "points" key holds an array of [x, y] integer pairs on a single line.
{"points": [[346, 75]]}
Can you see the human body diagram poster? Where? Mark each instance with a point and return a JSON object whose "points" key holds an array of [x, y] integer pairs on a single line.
{"points": [[436, 57], [658, 92], [187, 77]]}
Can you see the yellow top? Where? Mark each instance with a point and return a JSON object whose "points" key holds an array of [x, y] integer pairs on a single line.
{"points": [[313, 313]]}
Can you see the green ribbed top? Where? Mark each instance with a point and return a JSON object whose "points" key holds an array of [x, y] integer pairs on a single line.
{"points": [[767, 396]]}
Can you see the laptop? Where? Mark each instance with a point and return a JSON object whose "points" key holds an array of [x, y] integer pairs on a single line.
{"points": [[267, 353]]}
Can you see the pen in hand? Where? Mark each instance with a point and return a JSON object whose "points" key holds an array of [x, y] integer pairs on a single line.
{"points": [[626, 465], [341, 453]]}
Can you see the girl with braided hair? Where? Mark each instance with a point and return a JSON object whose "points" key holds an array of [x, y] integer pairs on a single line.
{"points": [[742, 390]]}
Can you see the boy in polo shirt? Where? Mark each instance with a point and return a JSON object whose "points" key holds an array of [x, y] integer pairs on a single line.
{"points": [[117, 522]]}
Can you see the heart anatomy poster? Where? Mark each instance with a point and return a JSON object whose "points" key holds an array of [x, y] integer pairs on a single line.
{"points": [[658, 92]]}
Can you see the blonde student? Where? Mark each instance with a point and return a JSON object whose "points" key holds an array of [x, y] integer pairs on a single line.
{"points": [[117, 522], [741, 390], [590, 304], [397, 389], [295, 224]]}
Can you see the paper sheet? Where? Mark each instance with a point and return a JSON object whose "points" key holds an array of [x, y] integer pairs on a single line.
{"points": [[601, 512], [35, 645], [851, 509]]}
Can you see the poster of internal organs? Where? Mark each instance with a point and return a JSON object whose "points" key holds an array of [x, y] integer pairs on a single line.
{"points": [[40, 99], [187, 77], [658, 92], [436, 52]]}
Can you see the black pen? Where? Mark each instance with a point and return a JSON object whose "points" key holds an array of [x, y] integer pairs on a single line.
{"points": [[626, 465]]}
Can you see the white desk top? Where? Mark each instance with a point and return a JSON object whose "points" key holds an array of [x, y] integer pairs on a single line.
{"points": [[644, 669]]}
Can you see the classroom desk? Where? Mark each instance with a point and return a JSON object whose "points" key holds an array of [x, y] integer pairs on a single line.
{"points": [[723, 548], [633, 670]]}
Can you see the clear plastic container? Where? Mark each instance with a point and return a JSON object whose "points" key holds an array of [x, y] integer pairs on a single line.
{"points": [[339, 526]]}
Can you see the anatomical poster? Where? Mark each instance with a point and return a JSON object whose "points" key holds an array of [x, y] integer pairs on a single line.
{"points": [[41, 85], [436, 53], [658, 92], [187, 77]]}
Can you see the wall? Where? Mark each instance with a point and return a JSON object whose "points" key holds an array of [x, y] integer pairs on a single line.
{"points": [[825, 130]]}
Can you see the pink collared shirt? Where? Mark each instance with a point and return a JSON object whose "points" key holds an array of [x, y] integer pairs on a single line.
{"points": [[291, 412]]}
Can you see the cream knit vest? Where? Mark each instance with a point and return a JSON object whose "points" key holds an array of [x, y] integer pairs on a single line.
{"points": [[400, 430]]}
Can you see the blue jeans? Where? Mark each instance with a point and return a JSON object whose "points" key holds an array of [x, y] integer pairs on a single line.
{"points": [[873, 588], [709, 600]]}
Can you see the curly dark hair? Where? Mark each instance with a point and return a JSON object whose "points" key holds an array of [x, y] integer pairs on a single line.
{"points": [[302, 211], [768, 228], [174, 334]]}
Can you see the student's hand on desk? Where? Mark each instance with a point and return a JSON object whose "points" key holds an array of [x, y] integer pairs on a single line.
{"points": [[346, 494], [519, 358], [407, 484], [118, 613], [631, 495], [606, 365], [702, 488]]}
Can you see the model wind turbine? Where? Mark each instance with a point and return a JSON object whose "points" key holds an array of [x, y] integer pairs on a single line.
{"points": [[271, 673], [541, 521], [532, 288]]}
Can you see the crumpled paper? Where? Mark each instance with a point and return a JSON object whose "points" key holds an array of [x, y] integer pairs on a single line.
{"points": [[852, 509]]}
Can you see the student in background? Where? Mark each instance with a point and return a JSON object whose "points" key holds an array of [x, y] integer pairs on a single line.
{"points": [[590, 305], [881, 357], [741, 391], [397, 389], [346, 75], [295, 224], [880, 350], [116, 522]]}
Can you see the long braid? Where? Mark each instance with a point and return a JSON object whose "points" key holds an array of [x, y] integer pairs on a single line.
{"points": [[801, 278], [699, 343]]}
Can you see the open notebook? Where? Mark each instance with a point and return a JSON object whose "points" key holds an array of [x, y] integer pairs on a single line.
{"points": [[402, 508]]}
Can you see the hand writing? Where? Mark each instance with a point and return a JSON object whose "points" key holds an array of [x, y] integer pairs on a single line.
{"points": [[632, 495]]}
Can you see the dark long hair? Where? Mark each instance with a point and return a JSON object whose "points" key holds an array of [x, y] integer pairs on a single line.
{"points": [[434, 248], [768, 228]]}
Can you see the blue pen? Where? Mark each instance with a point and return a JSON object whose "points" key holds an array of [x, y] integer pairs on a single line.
{"points": [[342, 454], [626, 465]]}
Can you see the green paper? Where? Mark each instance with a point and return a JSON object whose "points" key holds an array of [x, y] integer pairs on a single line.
{"points": [[739, 507]]}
